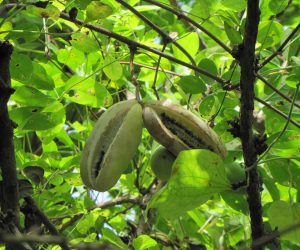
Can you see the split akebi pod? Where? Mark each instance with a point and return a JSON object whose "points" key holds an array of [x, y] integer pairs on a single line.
{"points": [[111, 145], [179, 129]]}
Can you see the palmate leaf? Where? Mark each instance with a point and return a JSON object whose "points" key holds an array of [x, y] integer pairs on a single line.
{"points": [[196, 176]]}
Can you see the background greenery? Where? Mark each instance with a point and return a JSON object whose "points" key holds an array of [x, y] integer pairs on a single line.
{"points": [[65, 75]]}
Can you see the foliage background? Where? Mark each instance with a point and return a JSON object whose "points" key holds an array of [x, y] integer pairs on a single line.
{"points": [[65, 75]]}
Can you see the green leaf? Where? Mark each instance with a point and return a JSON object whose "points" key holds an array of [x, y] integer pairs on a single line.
{"points": [[190, 42], [269, 33], [234, 5], [97, 10], [283, 215], [236, 200], [204, 8], [20, 67], [233, 35], [86, 91], [86, 223], [84, 43], [192, 84], [277, 6], [6, 26], [208, 106], [26, 95], [49, 11], [112, 68], [112, 238], [210, 66], [35, 119], [71, 57], [143, 242], [39, 78], [196, 176]]}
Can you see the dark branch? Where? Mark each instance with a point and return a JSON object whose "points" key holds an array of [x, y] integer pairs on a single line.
{"points": [[132, 43], [10, 190], [248, 67], [52, 229]]}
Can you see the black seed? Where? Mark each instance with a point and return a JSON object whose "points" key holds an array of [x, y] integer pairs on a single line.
{"points": [[99, 162], [183, 133]]}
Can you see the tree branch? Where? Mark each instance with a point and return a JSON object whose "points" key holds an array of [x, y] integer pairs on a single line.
{"points": [[264, 240], [153, 68], [197, 25], [52, 229], [132, 43], [279, 112], [10, 189], [281, 47], [260, 77], [56, 240], [117, 201], [247, 81], [166, 38]]}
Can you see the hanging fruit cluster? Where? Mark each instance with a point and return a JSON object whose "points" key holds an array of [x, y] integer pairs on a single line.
{"points": [[118, 132]]}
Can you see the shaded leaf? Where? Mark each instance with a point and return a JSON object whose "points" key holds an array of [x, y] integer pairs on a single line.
{"points": [[192, 84], [283, 215], [30, 96], [34, 173]]}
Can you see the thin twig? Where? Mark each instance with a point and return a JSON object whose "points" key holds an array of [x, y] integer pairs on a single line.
{"points": [[132, 43], [133, 75], [284, 128], [156, 73], [151, 67], [197, 25], [260, 77], [281, 47], [166, 38], [117, 201], [279, 112], [211, 120]]}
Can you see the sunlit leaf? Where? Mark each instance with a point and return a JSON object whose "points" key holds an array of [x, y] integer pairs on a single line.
{"points": [[97, 10], [196, 176], [143, 242]]}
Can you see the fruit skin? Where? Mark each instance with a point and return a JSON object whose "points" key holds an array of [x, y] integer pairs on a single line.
{"points": [[179, 129], [160, 133], [111, 145], [161, 163]]}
